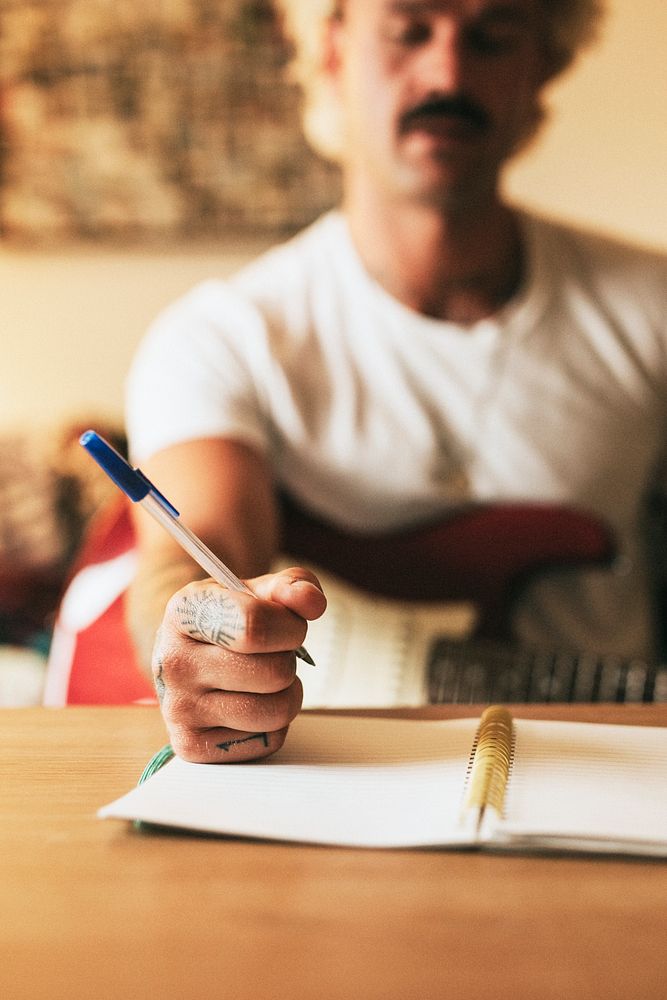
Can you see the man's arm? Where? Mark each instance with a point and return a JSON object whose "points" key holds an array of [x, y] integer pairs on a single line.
{"points": [[223, 663]]}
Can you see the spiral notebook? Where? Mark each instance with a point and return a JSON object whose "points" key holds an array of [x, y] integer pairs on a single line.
{"points": [[488, 783]]}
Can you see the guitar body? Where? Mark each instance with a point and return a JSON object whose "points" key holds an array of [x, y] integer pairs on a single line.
{"points": [[484, 554]]}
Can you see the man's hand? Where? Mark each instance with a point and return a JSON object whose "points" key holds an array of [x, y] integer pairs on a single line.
{"points": [[224, 665]]}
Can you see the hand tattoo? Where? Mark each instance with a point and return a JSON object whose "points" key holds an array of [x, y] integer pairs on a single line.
{"points": [[245, 739], [211, 617], [160, 686]]}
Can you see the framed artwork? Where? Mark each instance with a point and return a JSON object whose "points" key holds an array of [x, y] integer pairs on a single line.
{"points": [[165, 118]]}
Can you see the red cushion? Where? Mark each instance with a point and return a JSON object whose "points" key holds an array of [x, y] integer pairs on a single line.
{"points": [[92, 660]]}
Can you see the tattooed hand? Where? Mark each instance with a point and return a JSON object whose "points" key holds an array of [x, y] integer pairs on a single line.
{"points": [[224, 665]]}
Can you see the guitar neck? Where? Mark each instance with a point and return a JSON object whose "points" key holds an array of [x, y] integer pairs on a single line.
{"points": [[479, 671]]}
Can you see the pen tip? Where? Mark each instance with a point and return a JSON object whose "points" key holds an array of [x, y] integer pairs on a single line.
{"points": [[304, 655]]}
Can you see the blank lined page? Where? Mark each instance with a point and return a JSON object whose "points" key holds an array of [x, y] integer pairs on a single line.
{"points": [[338, 780], [590, 784]]}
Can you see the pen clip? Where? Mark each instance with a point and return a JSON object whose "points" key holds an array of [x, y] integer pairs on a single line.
{"points": [[160, 497]]}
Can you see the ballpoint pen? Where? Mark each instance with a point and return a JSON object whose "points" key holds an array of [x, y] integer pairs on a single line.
{"points": [[141, 490]]}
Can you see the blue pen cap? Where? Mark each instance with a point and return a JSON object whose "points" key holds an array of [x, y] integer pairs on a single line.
{"points": [[130, 481]]}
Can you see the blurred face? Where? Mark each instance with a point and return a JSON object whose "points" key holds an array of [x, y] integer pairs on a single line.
{"points": [[436, 94]]}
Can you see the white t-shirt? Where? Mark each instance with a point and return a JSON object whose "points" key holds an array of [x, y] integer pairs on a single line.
{"points": [[377, 417]]}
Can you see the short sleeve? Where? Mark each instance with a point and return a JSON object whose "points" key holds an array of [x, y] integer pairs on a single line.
{"points": [[198, 373]]}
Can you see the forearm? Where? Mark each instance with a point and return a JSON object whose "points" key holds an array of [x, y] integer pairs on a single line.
{"points": [[157, 579]]}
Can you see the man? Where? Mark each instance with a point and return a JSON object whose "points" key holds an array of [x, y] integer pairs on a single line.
{"points": [[426, 346]]}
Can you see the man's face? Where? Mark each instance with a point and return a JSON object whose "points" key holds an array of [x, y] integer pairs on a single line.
{"points": [[437, 94]]}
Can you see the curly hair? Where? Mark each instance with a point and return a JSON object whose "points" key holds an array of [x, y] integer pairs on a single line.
{"points": [[570, 25]]}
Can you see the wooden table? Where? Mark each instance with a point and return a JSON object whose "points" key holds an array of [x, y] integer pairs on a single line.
{"points": [[94, 910]]}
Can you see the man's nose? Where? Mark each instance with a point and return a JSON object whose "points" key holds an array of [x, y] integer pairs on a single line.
{"points": [[442, 60]]}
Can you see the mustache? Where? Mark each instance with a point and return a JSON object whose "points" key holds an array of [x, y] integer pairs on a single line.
{"points": [[446, 105]]}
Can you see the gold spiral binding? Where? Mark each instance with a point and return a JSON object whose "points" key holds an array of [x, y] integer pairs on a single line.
{"points": [[491, 762]]}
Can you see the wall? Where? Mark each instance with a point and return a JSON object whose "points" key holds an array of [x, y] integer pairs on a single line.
{"points": [[602, 159], [70, 320]]}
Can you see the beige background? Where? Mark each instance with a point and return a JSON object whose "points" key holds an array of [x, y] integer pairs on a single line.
{"points": [[70, 319]]}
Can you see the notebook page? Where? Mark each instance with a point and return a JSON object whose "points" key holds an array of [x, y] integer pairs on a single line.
{"points": [[583, 785], [347, 781]]}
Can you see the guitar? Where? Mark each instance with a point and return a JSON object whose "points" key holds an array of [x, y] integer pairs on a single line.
{"points": [[485, 554]]}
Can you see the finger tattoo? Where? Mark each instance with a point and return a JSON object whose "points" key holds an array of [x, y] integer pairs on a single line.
{"points": [[262, 737], [211, 617]]}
